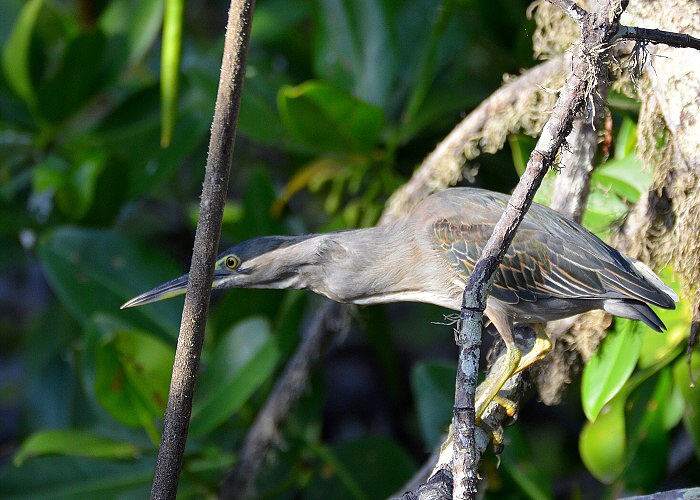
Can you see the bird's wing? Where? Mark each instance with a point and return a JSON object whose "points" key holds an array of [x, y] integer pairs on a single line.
{"points": [[550, 256], [536, 266]]}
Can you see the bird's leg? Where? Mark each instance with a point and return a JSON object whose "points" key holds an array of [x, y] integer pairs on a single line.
{"points": [[540, 348], [488, 390]]}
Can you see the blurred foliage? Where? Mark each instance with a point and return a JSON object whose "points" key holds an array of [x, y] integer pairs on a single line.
{"points": [[103, 134]]}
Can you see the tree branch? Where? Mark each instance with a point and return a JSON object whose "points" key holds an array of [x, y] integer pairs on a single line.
{"points": [[672, 39], [589, 59], [206, 242]]}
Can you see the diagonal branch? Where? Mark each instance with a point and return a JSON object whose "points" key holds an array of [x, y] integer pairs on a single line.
{"points": [[589, 60], [206, 242]]}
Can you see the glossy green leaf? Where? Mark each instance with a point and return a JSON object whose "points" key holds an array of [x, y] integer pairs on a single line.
{"points": [[647, 437], [244, 359], [72, 186], [626, 177], [691, 394], [626, 140], [354, 50], [325, 118], [170, 67], [433, 390], [16, 53], [76, 443], [132, 378], [521, 147], [602, 443], [369, 467], [66, 91], [608, 370], [77, 478], [602, 210], [94, 270], [132, 26]]}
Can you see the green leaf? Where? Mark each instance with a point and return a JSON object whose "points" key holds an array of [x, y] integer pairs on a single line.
{"points": [[603, 442], [526, 467], [626, 141], [626, 178], [132, 26], [67, 91], [608, 370], [648, 439], [73, 186], [327, 119], [77, 478], [369, 467], [16, 54], [170, 67], [433, 390], [354, 48], [95, 270], [521, 147], [132, 378], [245, 358], [76, 443], [691, 395]]}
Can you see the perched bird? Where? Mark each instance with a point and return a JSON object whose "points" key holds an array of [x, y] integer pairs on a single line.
{"points": [[553, 269]]}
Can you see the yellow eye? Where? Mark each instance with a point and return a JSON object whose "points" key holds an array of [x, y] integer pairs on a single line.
{"points": [[232, 262]]}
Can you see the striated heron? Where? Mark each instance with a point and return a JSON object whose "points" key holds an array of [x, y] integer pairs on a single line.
{"points": [[554, 269]]}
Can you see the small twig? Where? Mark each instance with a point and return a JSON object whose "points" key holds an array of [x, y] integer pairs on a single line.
{"points": [[672, 39], [206, 242], [327, 324], [572, 9]]}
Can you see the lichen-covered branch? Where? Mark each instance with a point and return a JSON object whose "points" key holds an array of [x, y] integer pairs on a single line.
{"points": [[589, 60]]}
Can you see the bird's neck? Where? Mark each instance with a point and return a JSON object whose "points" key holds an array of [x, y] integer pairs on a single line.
{"points": [[370, 266]]}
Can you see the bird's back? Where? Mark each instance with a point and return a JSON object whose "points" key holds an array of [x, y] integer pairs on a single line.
{"points": [[553, 263]]}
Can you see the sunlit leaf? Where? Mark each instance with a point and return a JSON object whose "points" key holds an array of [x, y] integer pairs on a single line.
{"points": [[608, 370], [16, 53], [245, 358], [602, 443], [170, 67], [73, 442], [626, 177]]}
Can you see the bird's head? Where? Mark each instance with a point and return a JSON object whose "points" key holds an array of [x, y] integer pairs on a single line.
{"points": [[263, 262]]}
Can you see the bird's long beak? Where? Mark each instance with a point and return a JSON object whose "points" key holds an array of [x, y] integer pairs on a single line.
{"points": [[171, 289], [168, 290]]}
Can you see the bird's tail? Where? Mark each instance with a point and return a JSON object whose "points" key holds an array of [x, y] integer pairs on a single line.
{"points": [[652, 278], [633, 309]]}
